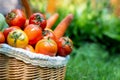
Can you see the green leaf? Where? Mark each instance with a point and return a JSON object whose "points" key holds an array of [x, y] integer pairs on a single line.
{"points": [[112, 35]]}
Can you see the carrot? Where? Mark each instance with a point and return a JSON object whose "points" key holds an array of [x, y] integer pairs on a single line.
{"points": [[51, 21], [62, 26]]}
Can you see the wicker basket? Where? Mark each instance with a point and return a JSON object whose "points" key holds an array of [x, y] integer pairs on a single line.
{"points": [[15, 69]]}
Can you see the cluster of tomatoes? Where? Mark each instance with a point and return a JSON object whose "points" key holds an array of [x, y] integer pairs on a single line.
{"points": [[31, 34]]}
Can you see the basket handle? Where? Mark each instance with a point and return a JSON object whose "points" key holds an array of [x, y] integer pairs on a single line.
{"points": [[27, 8]]}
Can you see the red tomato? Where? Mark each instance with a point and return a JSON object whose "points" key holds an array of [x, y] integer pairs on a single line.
{"points": [[49, 33], [34, 33], [2, 38], [9, 29], [46, 46], [38, 19], [16, 18], [65, 46], [29, 48]]}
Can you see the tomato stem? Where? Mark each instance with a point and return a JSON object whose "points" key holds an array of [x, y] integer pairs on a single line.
{"points": [[45, 32], [11, 15], [66, 42], [49, 40], [39, 18], [16, 36]]}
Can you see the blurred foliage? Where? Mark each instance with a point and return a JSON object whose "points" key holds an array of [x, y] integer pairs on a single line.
{"points": [[94, 24], [38, 5]]}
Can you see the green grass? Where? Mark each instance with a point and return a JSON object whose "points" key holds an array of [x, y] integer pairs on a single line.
{"points": [[92, 62]]}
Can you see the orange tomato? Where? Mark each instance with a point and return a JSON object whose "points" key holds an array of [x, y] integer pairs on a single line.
{"points": [[46, 46], [34, 33], [29, 48], [2, 37]]}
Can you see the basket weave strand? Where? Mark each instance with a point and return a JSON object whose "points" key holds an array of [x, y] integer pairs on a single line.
{"points": [[13, 69]]}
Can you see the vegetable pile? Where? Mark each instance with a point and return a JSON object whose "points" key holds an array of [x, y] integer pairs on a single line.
{"points": [[35, 34]]}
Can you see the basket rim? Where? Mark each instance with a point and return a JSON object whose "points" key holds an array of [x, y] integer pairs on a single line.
{"points": [[33, 58]]}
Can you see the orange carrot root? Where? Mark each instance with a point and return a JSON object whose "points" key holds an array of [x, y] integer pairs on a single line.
{"points": [[63, 25], [51, 21]]}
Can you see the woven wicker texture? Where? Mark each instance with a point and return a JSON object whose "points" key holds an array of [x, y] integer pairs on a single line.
{"points": [[13, 69]]}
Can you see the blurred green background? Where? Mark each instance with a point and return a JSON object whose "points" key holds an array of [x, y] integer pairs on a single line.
{"points": [[95, 31]]}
